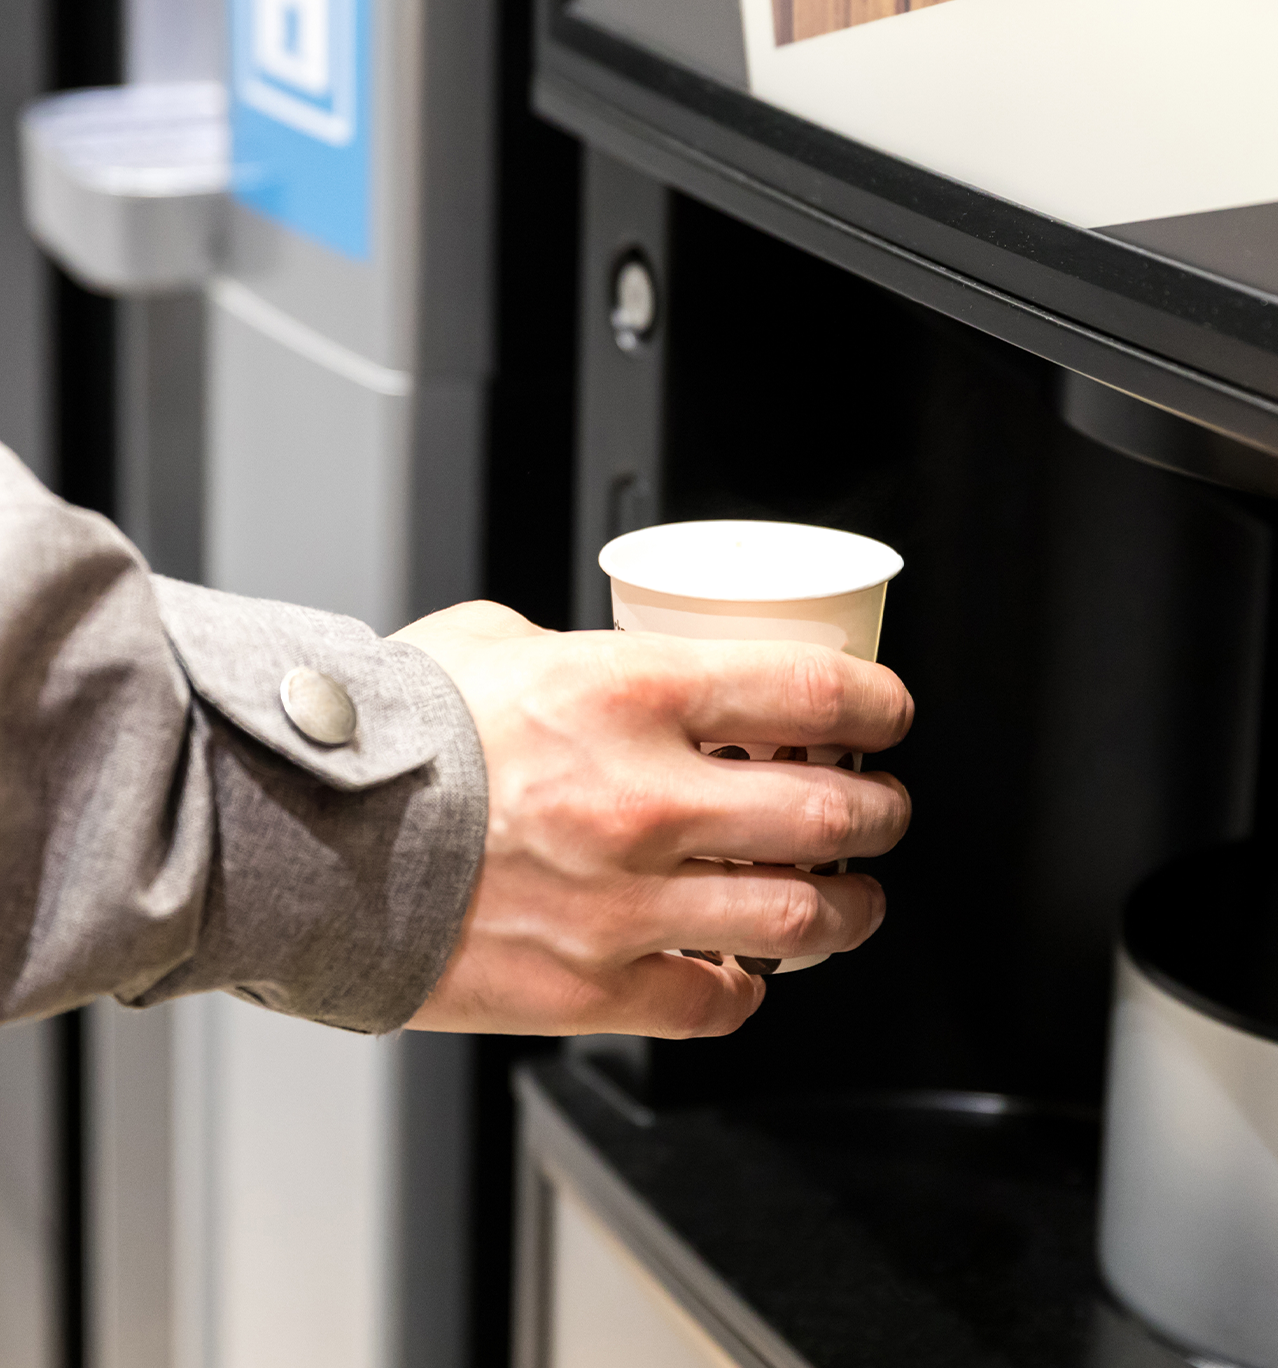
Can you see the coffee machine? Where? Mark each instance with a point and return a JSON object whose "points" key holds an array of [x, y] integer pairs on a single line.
{"points": [[943, 273], [908, 281]]}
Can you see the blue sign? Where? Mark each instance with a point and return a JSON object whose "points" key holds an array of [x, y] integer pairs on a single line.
{"points": [[300, 114]]}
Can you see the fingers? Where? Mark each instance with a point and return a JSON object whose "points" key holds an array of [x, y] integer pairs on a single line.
{"points": [[788, 691], [672, 998], [764, 911], [523, 991], [787, 814]]}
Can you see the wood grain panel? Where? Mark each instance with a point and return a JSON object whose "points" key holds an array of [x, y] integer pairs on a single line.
{"points": [[794, 20]]}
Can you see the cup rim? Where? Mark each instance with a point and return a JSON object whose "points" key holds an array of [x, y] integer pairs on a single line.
{"points": [[661, 577]]}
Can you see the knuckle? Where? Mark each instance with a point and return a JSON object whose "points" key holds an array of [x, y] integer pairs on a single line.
{"points": [[900, 808], [870, 907], [634, 817], [697, 1013], [883, 812], [817, 688], [652, 675], [828, 821], [797, 917], [899, 709], [736, 1012]]}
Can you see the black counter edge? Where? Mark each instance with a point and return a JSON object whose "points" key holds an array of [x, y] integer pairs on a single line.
{"points": [[897, 199], [1237, 413], [1201, 319], [565, 1155]]}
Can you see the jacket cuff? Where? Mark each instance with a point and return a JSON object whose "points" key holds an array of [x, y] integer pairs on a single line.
{"points": [[340, 876], [236, 652]]}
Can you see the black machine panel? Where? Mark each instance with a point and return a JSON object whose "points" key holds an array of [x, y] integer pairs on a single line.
{"points": [[1174, 308]]}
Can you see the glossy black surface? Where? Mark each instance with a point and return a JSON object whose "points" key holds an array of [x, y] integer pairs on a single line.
{"points": [[1066, 619], [911, 1230], [1206, 928]]}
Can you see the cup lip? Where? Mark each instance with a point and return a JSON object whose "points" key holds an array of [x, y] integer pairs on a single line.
{"points": [[660, 579]]}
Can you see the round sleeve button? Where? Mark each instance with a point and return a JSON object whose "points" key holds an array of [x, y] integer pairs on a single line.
{"points": [[318, 707]]}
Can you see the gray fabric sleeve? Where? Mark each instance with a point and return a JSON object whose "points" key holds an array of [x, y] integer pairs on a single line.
{"points": [[165, 830]]}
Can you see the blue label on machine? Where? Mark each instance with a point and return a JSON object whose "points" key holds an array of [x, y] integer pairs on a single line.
{"points": [[299, 116]]}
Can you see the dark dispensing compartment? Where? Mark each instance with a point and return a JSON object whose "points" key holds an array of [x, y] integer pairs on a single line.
{"points": [[1069, 433], [1082, 633]]}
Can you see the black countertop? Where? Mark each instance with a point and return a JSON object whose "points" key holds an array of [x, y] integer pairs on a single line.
{"points": [[922, 1230]]}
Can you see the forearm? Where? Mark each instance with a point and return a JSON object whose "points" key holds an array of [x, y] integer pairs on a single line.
{"points": [[165, 829]]}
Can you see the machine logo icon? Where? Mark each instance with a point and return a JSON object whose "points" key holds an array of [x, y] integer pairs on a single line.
{"points": [[296, 62]]}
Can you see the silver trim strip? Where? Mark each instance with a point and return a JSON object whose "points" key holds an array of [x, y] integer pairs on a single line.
{"points": [[241, 302]]}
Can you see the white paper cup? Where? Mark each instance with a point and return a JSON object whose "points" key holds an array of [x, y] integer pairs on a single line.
{"points": [[762, 581]]}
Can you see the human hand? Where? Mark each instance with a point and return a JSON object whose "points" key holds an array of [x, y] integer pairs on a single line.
{"points": [[602, 813]]}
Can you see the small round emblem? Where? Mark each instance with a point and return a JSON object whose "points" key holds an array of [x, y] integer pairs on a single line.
{"points": [[318, 707]]}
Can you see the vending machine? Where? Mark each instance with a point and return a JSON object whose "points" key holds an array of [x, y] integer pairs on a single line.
{"points": [[292, 203]]}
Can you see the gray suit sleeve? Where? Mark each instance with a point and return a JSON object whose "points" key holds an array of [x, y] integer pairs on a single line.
{"points": [[163, 828]]}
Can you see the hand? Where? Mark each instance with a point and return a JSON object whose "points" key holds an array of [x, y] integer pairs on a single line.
{"points": [[602, 812]]}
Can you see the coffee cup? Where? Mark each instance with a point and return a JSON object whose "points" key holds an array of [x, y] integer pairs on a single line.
{"points": [[736, 580]]}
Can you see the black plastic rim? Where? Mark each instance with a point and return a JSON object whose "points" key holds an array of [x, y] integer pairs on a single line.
{"points": [[1205, 929]]}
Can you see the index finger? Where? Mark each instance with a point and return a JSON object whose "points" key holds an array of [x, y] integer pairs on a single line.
{"points": [[761, 691]]}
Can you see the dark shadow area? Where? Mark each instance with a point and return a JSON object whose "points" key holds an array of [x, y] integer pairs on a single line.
{"points": [[529, 525], [1083, 635], [527, 556], [70, 1160], [85, 49]]}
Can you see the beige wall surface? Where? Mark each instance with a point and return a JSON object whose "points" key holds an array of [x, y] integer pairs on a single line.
{"points": [[609, 1310]]}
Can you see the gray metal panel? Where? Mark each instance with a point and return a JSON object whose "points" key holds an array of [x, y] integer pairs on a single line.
{"points": [[534, 1206], [308, 480], [340, 298], [458, 190], [435, 1176], [304, 1139], [24, 282], [160, 345], [29, 1245], [347, 425], [705, 34], [620, 421], [366, 306], [432, 212], [130, 1267], [447, 536], [454, 354], [167, 41], [28, 1216]]}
